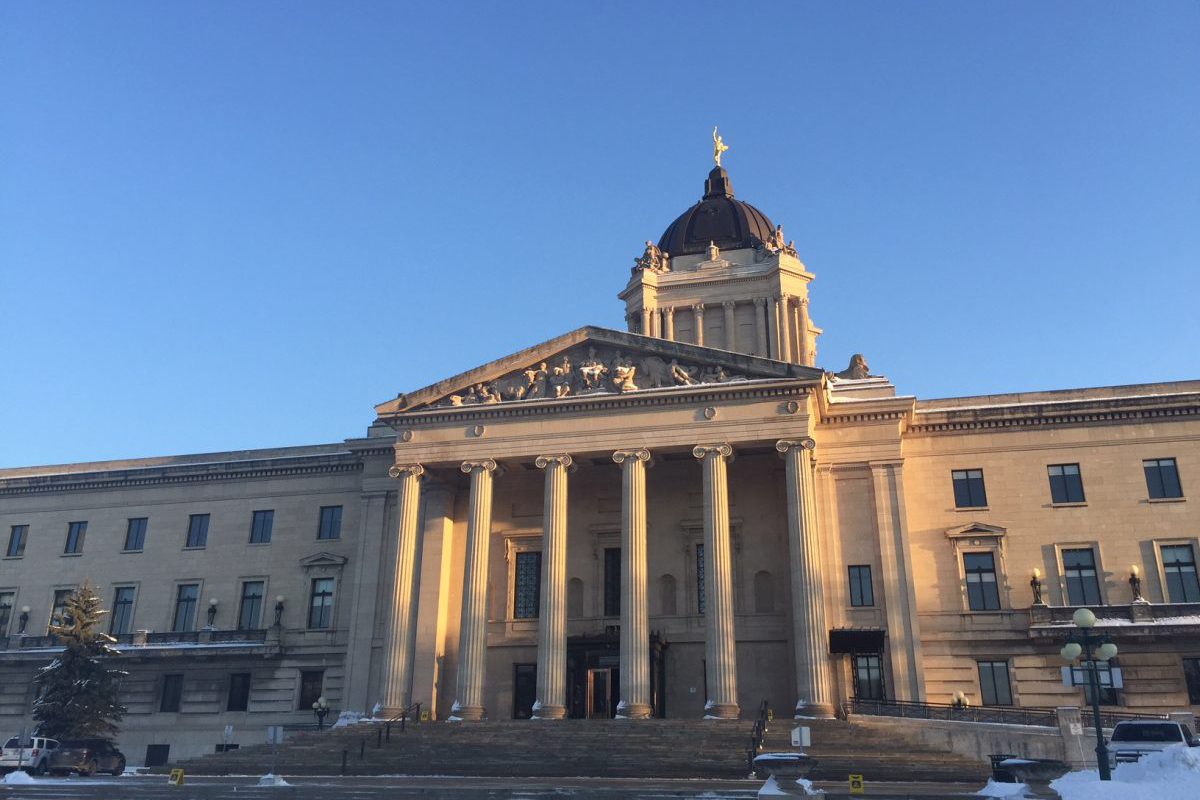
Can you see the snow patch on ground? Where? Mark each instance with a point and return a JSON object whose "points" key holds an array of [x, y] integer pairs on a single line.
{"points": [[1173, 774], [272, 780], [18, 778], [994, 789], [772, 789]]}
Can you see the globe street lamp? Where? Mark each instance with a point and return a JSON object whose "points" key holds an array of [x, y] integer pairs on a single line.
{"points": [[321, 709], [1094, 648]]}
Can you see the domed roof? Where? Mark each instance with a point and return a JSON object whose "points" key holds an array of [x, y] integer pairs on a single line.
{"points": [[719, 218]]}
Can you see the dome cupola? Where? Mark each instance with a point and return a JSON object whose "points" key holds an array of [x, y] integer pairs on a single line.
{"points": [[719, 218]]}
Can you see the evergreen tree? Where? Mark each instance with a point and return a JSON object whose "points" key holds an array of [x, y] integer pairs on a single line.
{"points": [[78, 691]]}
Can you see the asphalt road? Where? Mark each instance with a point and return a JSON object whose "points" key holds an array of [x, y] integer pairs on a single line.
{"points": [[155, 787]]}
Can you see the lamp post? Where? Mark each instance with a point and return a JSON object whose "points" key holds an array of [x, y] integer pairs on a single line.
{"points": [[212, 611], [23, 620], [1094, 647], [278, 610], [321, 709]]}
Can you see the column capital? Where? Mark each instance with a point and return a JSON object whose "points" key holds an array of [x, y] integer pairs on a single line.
{"points": [[402, 470], [698, 308], [807, 443], [728, 303], [563, 459], [669, 311], [488, 464], [723, 449], [637, 454], [760, 301]]}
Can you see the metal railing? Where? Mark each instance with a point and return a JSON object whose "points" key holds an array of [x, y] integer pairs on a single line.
{"points": [[1043, 717], [1110, 718], [413, 712], [756, 735]]}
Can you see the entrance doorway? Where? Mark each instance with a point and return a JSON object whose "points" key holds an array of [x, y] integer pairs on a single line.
{"points": [[603, 686], [524, 689]]}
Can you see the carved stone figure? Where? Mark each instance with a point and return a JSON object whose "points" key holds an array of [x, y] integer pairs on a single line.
{"points": [[592, 372], [652, 259], [536, 376], [719, 146], [714, 252], [857, 370], [777, 240], [682, 375], [560, 378]]}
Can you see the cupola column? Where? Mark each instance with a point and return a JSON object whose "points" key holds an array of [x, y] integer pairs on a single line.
{"points": [[730, 325], [669, 323], [720, 644], [472, 648], [635, 612], [760, 325], [698, 313], [804, 357], [784, 332], [813, 694], [398, 641], [552, 619]]}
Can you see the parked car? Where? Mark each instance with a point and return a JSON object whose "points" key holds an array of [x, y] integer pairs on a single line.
{"points": [[87, 757], [1131, 739], [33, 755]]}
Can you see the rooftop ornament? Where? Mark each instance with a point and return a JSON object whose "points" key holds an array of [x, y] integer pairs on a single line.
{"points": [[719, 146]]}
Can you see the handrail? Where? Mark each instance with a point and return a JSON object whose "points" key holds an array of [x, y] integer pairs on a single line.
{"points": [[757, 734], [414, 710], [1013, 715]]}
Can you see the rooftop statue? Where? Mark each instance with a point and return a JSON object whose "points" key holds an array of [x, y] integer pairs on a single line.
{"points": [[719, 146]]}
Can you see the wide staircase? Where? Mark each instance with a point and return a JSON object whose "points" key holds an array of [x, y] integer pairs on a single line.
{"points": [[656, 748]]}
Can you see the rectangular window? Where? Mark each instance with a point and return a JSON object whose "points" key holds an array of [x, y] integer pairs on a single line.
{"points": [[121, 620], [861, 593], [982, 592], [1066, 484], [312, 685], [1079, 568], [868, 677], [1108, 693], [75, 534], [135, 534], [239, 692], [612, 581], [528, 588], [260, 527], [172, 693], [320, 607], [1179, 566], [1162, 478], [968, 488], [700, 599], [331, 523], [16, 540], [186, 597], [6, 606], [197, 535], [250, 609], [994, 685], [1191, 676], [59, 609]]}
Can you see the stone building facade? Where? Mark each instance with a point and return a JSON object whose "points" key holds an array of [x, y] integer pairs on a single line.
{"points": [[680, 519]]}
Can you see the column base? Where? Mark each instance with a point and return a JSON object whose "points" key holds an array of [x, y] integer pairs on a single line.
{"points": [[633, 710], [549, 712], [814, 710], [722, 711], [466, 713]]}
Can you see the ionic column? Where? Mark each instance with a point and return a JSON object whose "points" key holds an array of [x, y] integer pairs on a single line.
{"points": [[730, 325], [635, 611], [772, 305], [785, 335], [472, 647], [698, 312], [720, 645], [402, 616], [669, 322], [814, 697], [760, 325], [646, 322], [552, 618]]}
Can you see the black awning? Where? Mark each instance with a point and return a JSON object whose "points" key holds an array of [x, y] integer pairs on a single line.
{"points": [[856, 640]]}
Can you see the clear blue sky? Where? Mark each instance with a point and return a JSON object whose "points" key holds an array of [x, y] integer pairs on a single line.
{"points": [[227, 225]]}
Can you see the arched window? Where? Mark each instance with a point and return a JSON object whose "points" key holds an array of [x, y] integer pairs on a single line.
{"points": [[574, 598], [764, 593], [666, 595]]}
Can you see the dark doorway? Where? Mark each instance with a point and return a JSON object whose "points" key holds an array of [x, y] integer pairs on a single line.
{"points": [[157, 755], [594, 675], [524, 690]]}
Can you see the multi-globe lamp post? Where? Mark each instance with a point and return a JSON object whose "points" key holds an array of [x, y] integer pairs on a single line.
{"points": [[321, 710], [1094, 648]]}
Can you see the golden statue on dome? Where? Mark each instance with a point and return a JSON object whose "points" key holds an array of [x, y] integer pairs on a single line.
{"points": [[719, 146]]}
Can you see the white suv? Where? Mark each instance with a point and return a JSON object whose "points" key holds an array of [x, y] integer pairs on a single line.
{"points": [[1134, 738], [33, 755]]}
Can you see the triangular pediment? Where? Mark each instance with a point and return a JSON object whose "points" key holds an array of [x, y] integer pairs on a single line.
{"points": [[975, 530], [594, 361], [323, 559]]}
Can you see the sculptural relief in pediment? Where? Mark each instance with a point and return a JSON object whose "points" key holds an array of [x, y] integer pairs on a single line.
{"points": [[588, 369]]}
